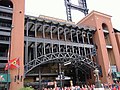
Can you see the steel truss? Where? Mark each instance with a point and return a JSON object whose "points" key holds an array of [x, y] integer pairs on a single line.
{"points": [[48, 40]]}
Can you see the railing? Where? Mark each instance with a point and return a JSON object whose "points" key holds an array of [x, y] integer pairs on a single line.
{"points": [[3, 71], [105, 31], [3, 54], [6, 9], [2, 65], [4, 38], [5, 15], [5, 25], [108, 46]]}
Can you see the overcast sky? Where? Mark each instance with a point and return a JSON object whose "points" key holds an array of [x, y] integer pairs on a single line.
{"points": [[56, 8]]}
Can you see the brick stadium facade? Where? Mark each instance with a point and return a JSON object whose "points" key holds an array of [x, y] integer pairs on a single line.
{"points": [[45, 44]]}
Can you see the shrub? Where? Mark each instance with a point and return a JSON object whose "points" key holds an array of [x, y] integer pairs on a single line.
{"points": [[27, 88]]}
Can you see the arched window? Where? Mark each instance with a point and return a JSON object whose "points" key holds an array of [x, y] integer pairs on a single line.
{"points": [[106, 33], [6, 3], [108, 43], [104, 26], [6, 13]]}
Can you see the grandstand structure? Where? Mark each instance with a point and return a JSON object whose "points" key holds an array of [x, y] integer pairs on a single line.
{"points": [[49, 48]]}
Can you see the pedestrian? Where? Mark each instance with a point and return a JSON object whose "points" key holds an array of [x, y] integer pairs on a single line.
{"points": [[118, 87], [114, 88]]}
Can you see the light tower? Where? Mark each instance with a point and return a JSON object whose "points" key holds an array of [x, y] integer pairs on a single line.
{"points": [[82, 6]]}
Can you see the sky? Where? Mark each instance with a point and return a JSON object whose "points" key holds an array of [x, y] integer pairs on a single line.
{"points": [[56, 8]]}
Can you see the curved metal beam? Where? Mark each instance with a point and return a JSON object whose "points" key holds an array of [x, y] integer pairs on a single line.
{"points": [[59, 57]]}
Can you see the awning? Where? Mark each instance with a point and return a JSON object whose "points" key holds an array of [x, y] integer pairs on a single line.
{"points": [[118, 74], [4, 77]]}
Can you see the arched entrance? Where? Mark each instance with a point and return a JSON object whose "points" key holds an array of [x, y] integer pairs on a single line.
{"points": [[47, 69]]}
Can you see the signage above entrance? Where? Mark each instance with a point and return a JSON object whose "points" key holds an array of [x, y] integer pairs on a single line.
{"points": [[65, 78]]}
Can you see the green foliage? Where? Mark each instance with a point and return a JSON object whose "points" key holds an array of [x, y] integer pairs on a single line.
{"points": [[27, 88]]}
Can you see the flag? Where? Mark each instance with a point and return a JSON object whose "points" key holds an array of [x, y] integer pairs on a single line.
{"points": [[12, 64]]}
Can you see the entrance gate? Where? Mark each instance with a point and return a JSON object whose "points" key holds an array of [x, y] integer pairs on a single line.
{"points": [[51, 40]]}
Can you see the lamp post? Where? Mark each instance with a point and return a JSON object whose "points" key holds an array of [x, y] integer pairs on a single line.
{"points": [[97, 81], [60, 76]]}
